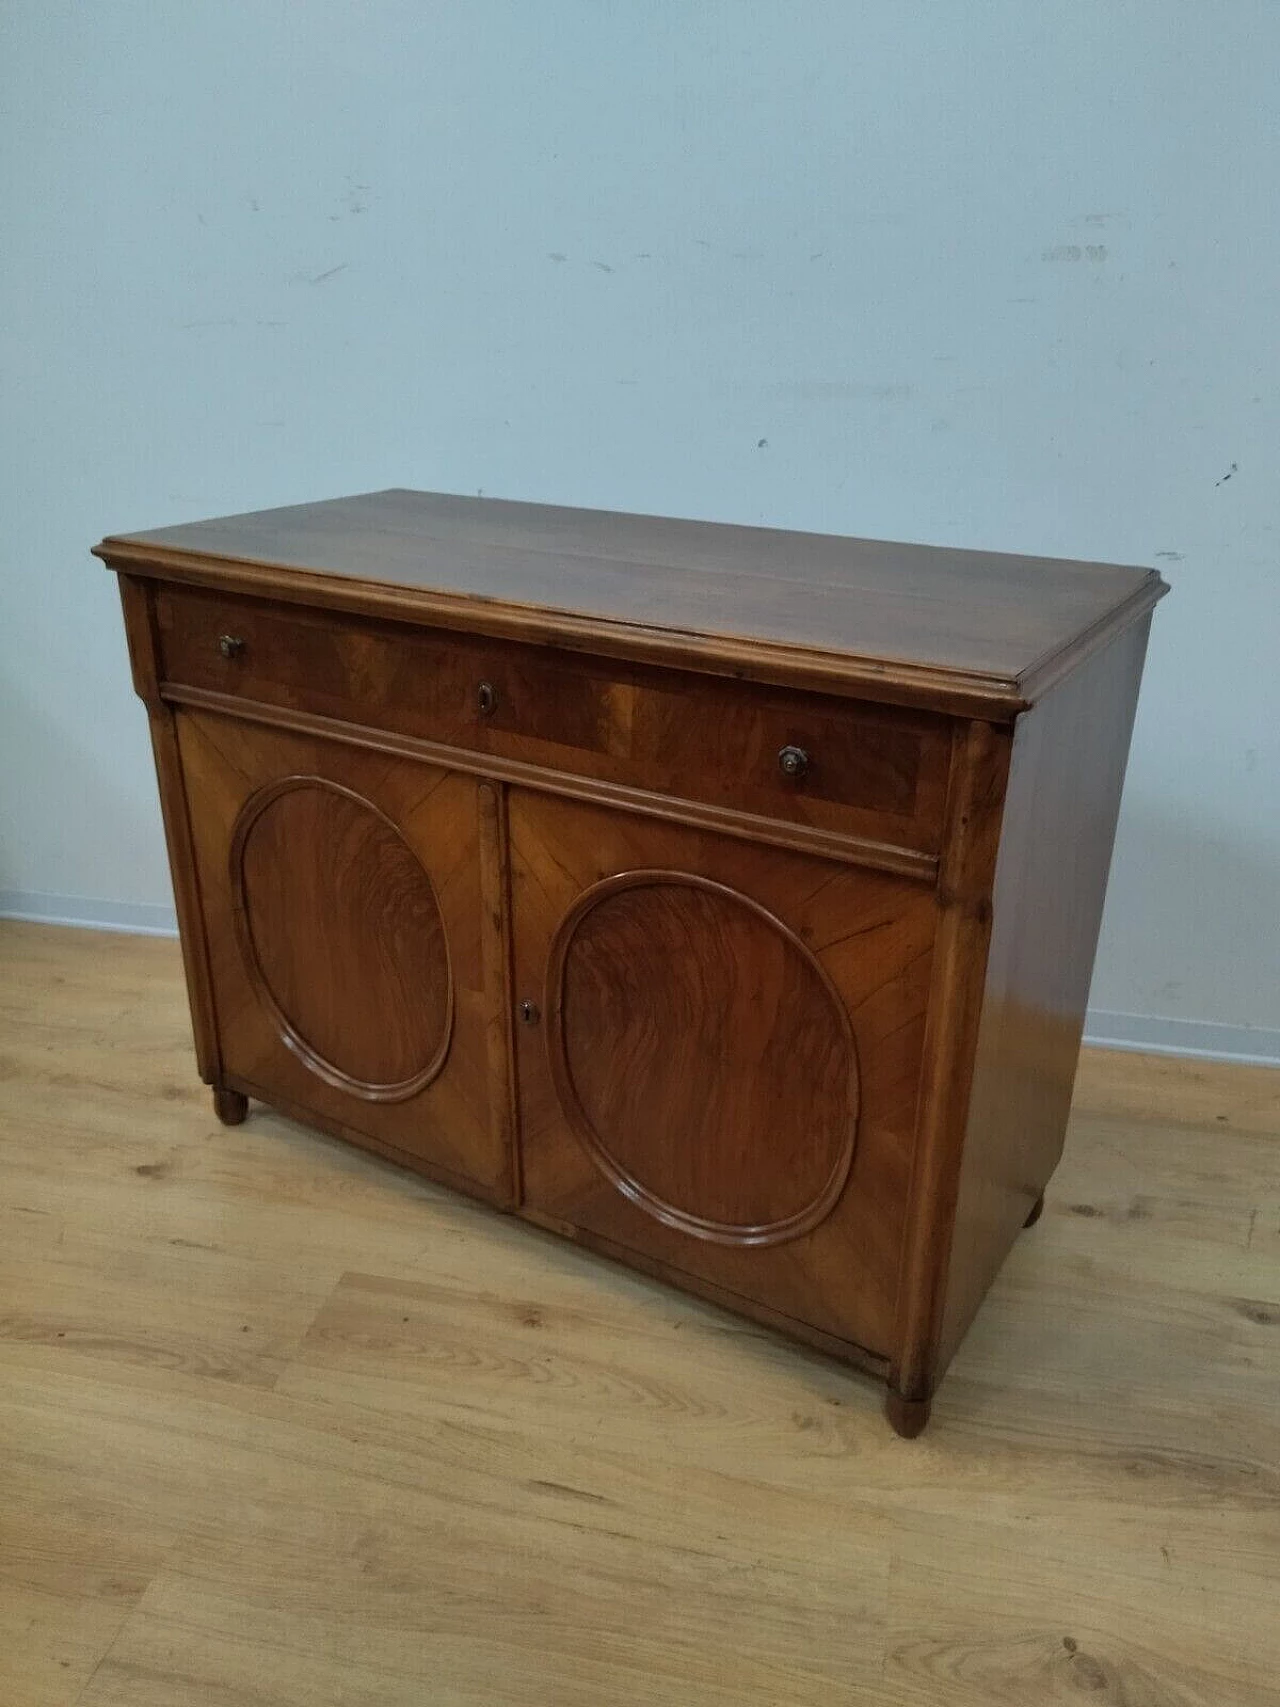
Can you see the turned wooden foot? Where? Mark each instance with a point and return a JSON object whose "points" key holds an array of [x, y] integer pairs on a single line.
{"points": [[229, 1106], [1037, 1210], [906, 1416]]}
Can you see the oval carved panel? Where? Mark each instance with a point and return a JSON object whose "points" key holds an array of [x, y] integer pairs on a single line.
{"points": [[703, 1056], [342, 935]]}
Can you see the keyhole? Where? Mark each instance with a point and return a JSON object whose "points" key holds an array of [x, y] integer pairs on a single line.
{"points": [[529, 1012]]}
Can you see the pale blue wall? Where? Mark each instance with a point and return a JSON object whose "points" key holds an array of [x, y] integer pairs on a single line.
{"points": [[992, 274]]}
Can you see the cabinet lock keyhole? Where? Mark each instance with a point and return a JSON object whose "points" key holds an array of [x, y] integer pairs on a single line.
{"points": [[529, 1013]]}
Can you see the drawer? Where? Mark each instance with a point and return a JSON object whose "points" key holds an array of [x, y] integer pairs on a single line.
{"points": [[837, 765]]}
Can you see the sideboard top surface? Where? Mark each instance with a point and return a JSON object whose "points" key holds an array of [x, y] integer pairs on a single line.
{"points": [[978, 633]]}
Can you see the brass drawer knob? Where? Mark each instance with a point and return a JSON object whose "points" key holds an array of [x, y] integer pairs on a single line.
{"points": [[486, 699], [230, 645], [793, 761]]}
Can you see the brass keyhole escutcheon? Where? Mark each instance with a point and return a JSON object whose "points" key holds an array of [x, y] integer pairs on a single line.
{"points": [[230, 645]]}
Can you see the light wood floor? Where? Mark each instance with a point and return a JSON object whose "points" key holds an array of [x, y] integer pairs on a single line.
{"points": [[281, 1425]]}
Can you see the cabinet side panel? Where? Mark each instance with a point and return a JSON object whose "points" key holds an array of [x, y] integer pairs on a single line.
{"points": [[1063, 799]]}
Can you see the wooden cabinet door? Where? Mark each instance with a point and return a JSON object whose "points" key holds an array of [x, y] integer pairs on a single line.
{"points": [[720, 1076], [352, 906]]}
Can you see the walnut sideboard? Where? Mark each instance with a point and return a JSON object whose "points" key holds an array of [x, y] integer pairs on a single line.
{"points": [[721, 898]]}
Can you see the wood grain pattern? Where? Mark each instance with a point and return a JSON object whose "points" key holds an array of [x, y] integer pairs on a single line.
{"points": [[971, 632], [1057, 831], [137, 601], [975, 806], [372, 985], [728, 820], [340, 927], [703, 1057], [449, 1461], [495, 945], [431, 762], [871, 938], [870, 773]]}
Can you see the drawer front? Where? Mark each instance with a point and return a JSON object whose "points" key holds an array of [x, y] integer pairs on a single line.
{"points": [[836, 765]]}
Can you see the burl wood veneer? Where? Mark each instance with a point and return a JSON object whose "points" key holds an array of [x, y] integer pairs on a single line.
{"points": [[724, 899]]}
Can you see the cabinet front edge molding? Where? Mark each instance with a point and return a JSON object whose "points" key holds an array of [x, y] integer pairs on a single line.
{"points": [[958, 692]]}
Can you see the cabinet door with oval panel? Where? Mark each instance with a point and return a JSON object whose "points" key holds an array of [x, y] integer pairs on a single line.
{"points": [[344, 894], [719, 1058]]}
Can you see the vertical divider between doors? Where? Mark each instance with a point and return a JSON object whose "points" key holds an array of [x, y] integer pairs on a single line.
{"points": [[497, 948]]}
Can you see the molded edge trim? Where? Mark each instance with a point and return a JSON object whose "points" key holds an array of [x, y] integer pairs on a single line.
{"points": [[966, 693], [781, 832], [1049, 669], [716, 1231], [399, 1090]]}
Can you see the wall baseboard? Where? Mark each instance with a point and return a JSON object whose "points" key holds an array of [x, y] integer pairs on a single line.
{"points": [[135, 918], [1147, 1034], [1152, 1034]]}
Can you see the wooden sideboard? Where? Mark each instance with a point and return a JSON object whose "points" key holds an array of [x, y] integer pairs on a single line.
{"points": [[721, 898]]}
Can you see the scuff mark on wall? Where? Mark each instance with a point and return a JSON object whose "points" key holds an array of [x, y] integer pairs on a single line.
{"points": [[321, 278], [836, 390], [1071, 252]]}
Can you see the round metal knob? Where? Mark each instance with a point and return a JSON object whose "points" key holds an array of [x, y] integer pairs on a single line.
{"points": [[529, 1013], [230, 645], [793, 761], [486, 699]]}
